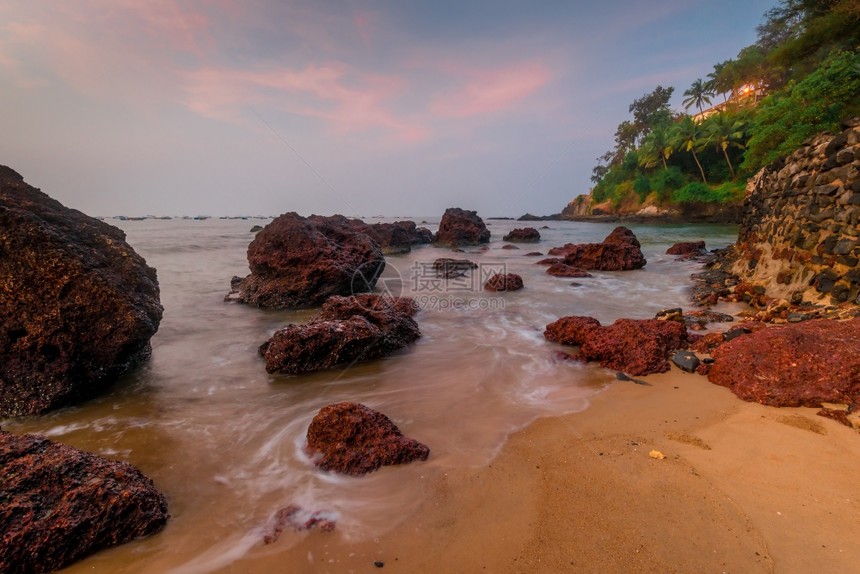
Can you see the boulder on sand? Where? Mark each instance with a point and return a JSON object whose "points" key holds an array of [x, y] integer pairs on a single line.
{"points": [[351, 438], [300, 261], [77, 305], [634, 346], [460, 228], [346, 330], [620, 251], [59, 504], [793, 365]]}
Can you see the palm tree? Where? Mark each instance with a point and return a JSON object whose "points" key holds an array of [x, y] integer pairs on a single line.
{"points": [[655, 145], [717, 81], [726, 131], [697, 95], [687, 135]]}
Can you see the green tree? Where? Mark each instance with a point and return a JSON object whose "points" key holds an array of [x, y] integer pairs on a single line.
{"points": [[726, 131], [718, 81], [650, 110], [687, 136], [698, 95], [656, 145], [783, 121]]}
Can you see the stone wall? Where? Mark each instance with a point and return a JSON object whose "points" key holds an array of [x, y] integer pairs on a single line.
{"points": [[799, 232]]}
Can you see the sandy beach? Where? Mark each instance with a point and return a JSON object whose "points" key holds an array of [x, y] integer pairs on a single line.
{"points": [[742, 488]]}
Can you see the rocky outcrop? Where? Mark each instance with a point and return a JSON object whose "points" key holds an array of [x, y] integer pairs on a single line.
{"points": [[794, 365], [394, 238], [563, 270], [504, 282], [799, 237], [351, 438], [636, 347], [460, 228], [523, 235], [59, 504], [619, 251], [346, 330], [300, 261], [77, 305]]}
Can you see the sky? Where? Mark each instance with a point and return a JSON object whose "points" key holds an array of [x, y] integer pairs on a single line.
{"points": [[359, 107]]}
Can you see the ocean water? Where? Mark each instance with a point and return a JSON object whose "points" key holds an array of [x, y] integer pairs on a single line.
{"points": [[224, 440]]}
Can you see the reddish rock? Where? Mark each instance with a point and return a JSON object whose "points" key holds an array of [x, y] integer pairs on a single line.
{"points": [[549, 261], [509, 247], [687, 248], [708, 343], [533, 254], [562, 357], [561, 251], [393, 238], [460, 228], [351, 438], [346, 330], [636, 347], [524, 235], [295, 518], [298, 262], [618, 252], [77, 305], [504, 282], [801, 364], [59, 504], [563, 270]]}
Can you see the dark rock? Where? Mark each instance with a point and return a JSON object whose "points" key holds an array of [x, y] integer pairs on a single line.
{"points": [[800, 364], [562, 270], [549, 261], [393, 238], [504, 282], [735, 332], [77, 305], [59, 504], [346, 330], [687, 248], [674, 314], [704, 317], [460, 228], [534, 254], [352, 439], [509, 247], [638, 347], [524, 235], [619, 251], [256, 228], [450, 268], [299, 262], [686, 361]]}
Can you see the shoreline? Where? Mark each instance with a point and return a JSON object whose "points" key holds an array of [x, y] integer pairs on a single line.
{"points": [[742, 488]]}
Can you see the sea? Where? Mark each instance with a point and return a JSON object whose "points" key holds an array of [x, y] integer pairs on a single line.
{"points": [[225, 441]]}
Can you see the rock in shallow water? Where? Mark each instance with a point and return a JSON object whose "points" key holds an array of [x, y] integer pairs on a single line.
{"points": [[346, 330], [300, 261], [77, 305], [504, 282], [351, 438], [620, 251], [799, 364], [523, 235], [637, 347], [59, 504], [460, 228]]}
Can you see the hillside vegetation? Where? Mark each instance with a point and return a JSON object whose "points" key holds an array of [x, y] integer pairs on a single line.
{"points": [[800, 77]]}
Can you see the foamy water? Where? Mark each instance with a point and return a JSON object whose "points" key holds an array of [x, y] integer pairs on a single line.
{"points": [[225, 441]]}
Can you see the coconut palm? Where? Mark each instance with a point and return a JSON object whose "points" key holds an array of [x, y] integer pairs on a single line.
{"points": [[687, 136], [698, 95], [726, 131], [656, 144]]}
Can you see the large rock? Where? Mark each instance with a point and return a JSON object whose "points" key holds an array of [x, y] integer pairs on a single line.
{"points": [[300, 261], [636, 347], [460, 228], [59, 504], [77, 305], [618, 252], [346, 330], [394, 238], [351, 438], [798, 364], [687, 248], [523, 235], [504, 282]]}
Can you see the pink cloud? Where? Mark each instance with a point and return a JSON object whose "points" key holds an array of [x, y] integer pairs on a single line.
{"points": [[492, 90], [316, 91]]}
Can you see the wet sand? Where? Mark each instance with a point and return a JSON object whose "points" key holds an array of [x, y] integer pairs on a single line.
{"points": [[742, 488]]}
